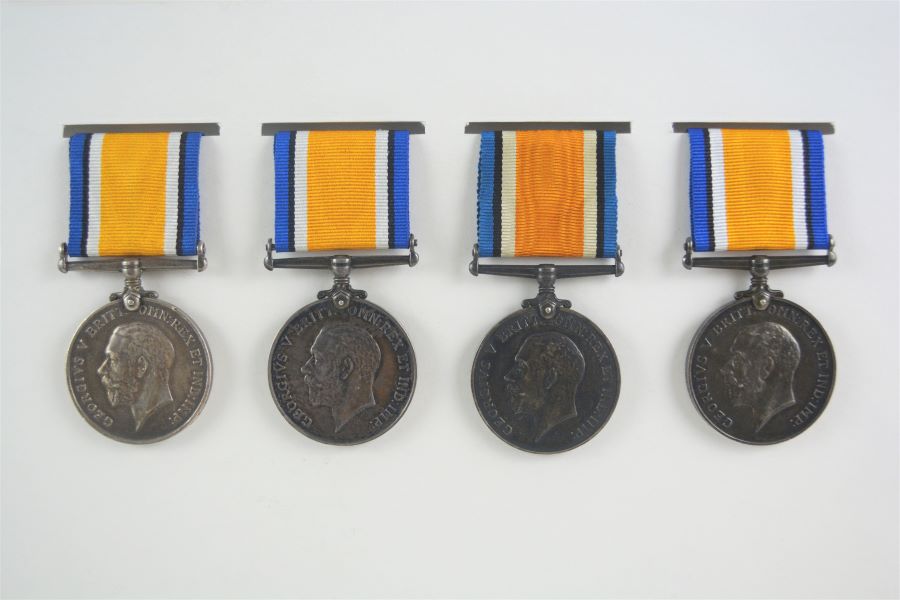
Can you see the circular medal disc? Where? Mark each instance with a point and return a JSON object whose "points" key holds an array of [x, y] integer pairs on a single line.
{"points": [[139, 376], [761, 376], [342, 376], [545, 385]]}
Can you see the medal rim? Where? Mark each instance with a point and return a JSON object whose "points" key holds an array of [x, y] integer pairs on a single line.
{"points": [[693, 346], [412, 388], [206, 389], [612, 352]]}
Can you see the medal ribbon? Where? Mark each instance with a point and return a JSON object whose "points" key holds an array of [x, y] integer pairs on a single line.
{"points": [[547, 193], [134, 194], [757, 189], [341, 190]]}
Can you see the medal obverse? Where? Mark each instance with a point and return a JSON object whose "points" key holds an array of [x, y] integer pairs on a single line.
{"points": [[761, 376], [139, 376], [545, 385], [342, 376]]}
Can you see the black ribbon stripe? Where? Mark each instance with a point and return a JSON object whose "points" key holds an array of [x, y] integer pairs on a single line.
{"points": [[709, 191], [390, 188], [807, 191], [601, 193], [292, 149], [85, 192], [498, 191]]}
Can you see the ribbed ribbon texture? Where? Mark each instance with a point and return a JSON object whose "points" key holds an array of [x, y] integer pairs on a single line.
{"points": [[134, 194], [341, 190], [547, 193], [757, 190]]}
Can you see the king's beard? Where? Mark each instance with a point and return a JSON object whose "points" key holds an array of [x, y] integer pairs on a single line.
{"points": [[119, 393]]}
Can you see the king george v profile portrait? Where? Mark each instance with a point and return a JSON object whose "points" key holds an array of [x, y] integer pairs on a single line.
{"points": [[543, 381], [340, 372], [135, 372], [760, 371]]}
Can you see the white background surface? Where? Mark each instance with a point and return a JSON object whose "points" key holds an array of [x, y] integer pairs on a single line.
{"points": [[658, 504]]}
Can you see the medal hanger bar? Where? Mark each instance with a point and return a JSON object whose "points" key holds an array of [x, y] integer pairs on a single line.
{"points": [[747, 262], [476, 268], [546, 275], [682, 127], [482, 126], [340, 266], [204, 128], [341, 260], [413, 127], [759, 266], [123, 263], [131, 267]]}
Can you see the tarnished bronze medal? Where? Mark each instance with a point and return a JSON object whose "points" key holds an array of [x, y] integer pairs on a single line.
{"points": [[545, 378], [139, 375], [138, 369], [761, 375], [760, 369], [342, 370], [342, 374]]}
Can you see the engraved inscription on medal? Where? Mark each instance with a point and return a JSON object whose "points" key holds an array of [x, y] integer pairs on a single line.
{"points": [[139, 376], [545, 385], [342, 377], [761, 376]]}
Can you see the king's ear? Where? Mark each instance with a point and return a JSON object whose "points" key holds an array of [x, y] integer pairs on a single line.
{"points": [[346, 368], [767, 367], [550, 378], [142, 366]]}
